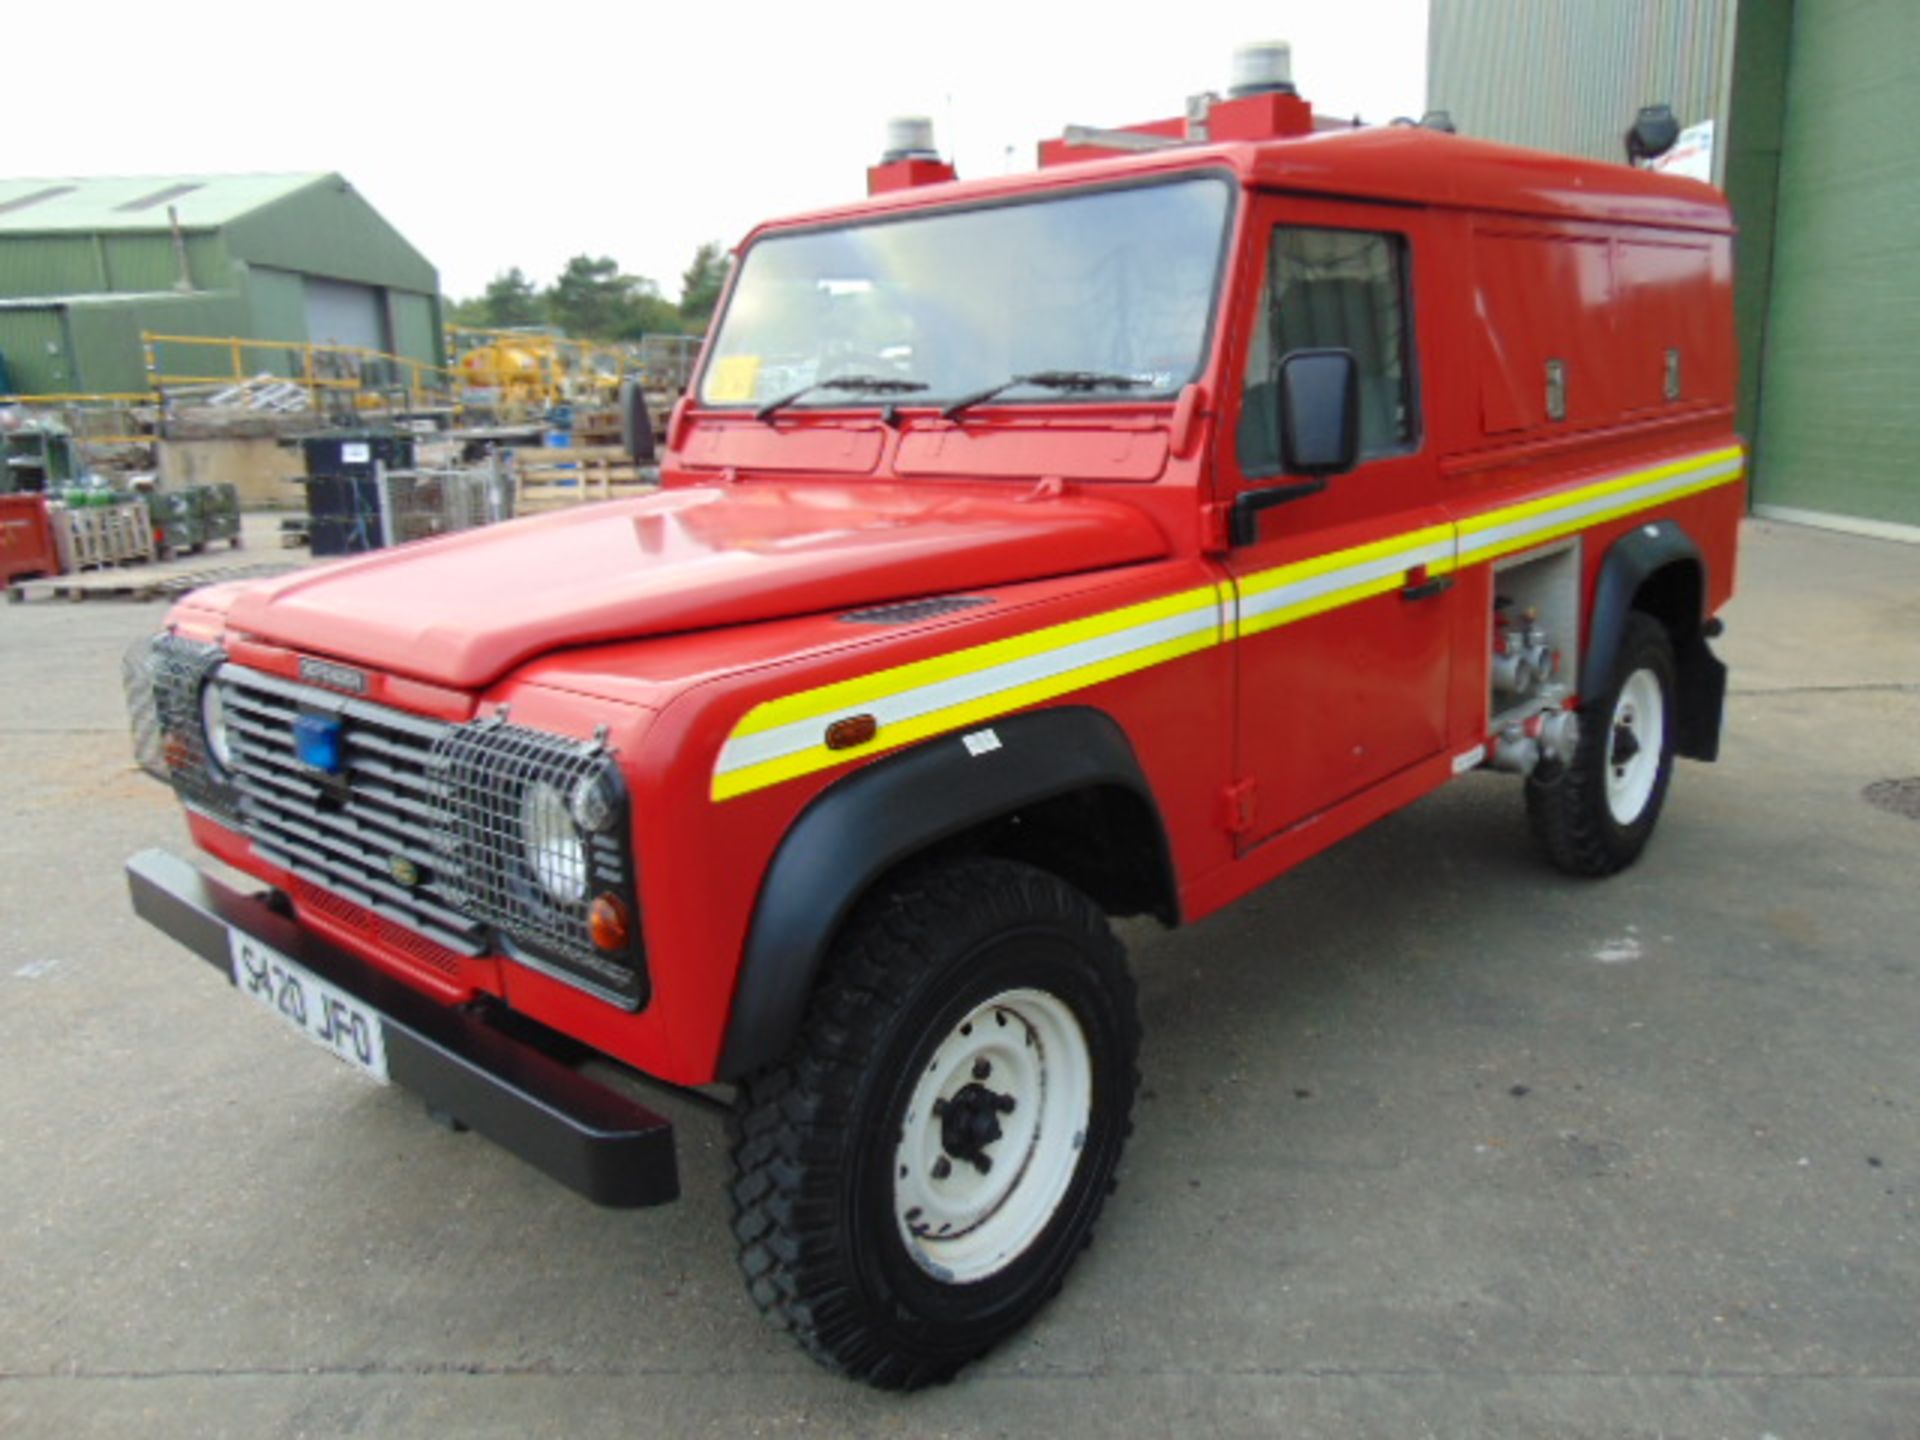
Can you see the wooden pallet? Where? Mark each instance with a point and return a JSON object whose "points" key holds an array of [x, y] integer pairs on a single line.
{"points": [[556, 479], [90, 536], [543, 464], [539, 499], [139, 583]]}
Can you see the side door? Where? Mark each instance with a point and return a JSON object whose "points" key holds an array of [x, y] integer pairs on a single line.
{"points": [[1345, 600]]}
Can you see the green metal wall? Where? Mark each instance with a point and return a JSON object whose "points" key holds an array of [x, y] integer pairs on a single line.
{"points": [[105, 332], [415, 325], [149, 262], [33, 265], [1839, 402], [35, 344], [86, 264], [1755, 124], [327, 229], [107, 342], [276, 310], [1568, 75], [92, 344]]}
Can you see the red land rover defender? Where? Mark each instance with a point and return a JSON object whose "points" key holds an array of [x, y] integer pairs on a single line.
{"points": [[1098, 541]]}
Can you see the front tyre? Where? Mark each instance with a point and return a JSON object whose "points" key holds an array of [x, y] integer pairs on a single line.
{"points": [[1594, 816], [914, 1181]]}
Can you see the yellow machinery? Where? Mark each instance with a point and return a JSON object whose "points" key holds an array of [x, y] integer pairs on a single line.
{"points": [[522, 371], [535, 369]]}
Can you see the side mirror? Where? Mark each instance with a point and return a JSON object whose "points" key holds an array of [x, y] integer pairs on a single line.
{"points": [[636, 422], [1319, 398], [1317, 394]]}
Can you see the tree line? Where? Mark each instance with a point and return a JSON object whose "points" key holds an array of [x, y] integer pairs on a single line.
{"points": [[592, 300]]}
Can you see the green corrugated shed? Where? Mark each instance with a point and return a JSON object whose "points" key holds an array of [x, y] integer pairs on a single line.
{"points": [[34, 341], [277, 299], [1839, 414], [87, 264]]}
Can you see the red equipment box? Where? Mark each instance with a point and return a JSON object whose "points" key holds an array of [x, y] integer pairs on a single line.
{"points": [[26, 539]]}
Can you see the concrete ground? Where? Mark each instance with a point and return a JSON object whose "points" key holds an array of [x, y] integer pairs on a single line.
{"points": [[1433, 1142]]}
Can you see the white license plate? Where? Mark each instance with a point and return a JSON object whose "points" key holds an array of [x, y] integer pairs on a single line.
{"points": [[324, 1013]]}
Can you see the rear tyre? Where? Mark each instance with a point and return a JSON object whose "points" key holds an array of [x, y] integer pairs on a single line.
{"points": [[1593, 817], [914, 1181]]}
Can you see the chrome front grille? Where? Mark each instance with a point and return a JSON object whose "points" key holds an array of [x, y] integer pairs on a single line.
{"points": [[375, 833], [442, 840]]}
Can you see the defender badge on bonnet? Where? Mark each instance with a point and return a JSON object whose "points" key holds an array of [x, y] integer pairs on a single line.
{"points": [[334, 677]]}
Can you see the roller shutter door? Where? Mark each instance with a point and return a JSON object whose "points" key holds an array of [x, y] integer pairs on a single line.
{"points": [[342, 314]]}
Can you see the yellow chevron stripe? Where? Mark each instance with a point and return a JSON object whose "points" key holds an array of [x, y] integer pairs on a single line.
{"points": [[729, 783], [1586, 522], [864, 691], [1508, 514], [1265, 580], [1334, 600]]}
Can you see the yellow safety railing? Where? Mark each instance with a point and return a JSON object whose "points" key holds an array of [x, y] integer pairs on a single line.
{"points": [[136, 397], [552, 369], [323, 369]]}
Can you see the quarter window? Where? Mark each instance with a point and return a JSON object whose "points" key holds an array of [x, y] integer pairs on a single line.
{"points": [[1343, 289]]}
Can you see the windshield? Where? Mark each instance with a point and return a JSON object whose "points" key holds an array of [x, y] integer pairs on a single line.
{"points": [[1115, 282]]}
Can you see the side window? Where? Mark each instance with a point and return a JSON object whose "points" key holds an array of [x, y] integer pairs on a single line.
{"points": [[1342, 289]]}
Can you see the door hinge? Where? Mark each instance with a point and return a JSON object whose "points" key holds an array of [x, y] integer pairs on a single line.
{"points": [[1216, 527], [1242, 798]]}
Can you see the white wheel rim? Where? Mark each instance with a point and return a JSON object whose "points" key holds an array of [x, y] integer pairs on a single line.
{"points": [[1018, 1063], [1635, 741]]}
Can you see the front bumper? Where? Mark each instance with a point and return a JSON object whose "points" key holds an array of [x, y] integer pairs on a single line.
{"points": [[591, 1139]]}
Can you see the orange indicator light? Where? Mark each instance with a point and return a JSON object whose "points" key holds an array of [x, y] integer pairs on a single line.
{"points": [[608, 923], [851, 730]]}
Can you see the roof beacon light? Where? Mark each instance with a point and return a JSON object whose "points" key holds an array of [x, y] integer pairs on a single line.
{"points": [[909, 137], [1263, 67], [910, 158]]}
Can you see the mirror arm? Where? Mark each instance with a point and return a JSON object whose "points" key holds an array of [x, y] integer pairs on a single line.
{"points": [[636, 423], [1250, 503]]}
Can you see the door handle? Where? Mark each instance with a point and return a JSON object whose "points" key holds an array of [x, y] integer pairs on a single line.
{"points": [[1422, 586]]}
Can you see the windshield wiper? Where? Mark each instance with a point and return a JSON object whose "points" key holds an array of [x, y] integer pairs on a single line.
{"points": [[1047, 380], [871, 384]]}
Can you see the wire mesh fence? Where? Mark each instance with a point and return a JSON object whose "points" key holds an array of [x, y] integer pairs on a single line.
{"points": [[423, 503]]}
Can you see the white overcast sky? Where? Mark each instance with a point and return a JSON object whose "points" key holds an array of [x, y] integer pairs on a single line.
{"points": [[495, 135]]}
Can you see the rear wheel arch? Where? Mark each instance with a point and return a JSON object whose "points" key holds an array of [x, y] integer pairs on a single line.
{"points": [[1060, 789], [1656, 569]]}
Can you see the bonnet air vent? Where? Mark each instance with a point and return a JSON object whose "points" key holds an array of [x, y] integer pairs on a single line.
{"points": [[908, 611]]}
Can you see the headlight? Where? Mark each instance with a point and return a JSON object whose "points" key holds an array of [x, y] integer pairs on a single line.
{"points": [[555, 850], [213, 723]]}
